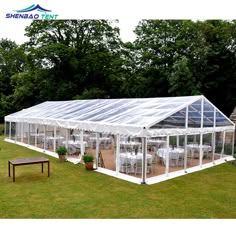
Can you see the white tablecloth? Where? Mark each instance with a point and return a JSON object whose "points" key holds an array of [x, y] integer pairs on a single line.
{"points": [[132, 159], [129, 145], [196, 148], [174, 155]]}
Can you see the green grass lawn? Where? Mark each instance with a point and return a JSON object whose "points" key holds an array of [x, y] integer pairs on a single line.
{"points": [[74, 193]]}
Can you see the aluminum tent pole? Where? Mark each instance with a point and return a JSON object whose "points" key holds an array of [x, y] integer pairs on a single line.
{"points": [[167, 156], [185, 141], [223, 145], [29, 135], [67, 138], [213, 146], [82, 146], [54, 140], [185, 153], [117, 153], [35, 137], [144, 161], [201, 153], [44, 143], [177, 141], [15, 132], [214, 137], [22, 131], [201, 135], [97, 148], [9, 130], [233, 136]]}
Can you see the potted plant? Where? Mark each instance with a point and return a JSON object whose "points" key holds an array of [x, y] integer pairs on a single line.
{"points": [[88, 161], [61, 151]]}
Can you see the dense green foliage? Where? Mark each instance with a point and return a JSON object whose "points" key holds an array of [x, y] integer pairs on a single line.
{"points": [[71, 192], [83, 59]]}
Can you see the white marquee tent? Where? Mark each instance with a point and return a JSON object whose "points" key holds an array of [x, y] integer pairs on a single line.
{"points": [[136, 117]]}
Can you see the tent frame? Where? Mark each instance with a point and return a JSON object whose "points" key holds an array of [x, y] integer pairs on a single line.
{"points": [[143, 132]]}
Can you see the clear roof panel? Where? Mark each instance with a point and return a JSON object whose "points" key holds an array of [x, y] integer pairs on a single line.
{"points": [[154, 113], [195, 118]]}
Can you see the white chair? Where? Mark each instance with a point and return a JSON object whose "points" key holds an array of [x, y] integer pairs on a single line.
{"points": [[125, 165], [181, 159], [138, 166], [161, 155], [207, 149], [173, 159]]}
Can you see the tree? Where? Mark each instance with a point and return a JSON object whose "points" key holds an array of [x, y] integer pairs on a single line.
{"points": [[181, 79], [12, 61], [216, 70], [159, 44], [81, 59], [182, 57], [73, 56]]}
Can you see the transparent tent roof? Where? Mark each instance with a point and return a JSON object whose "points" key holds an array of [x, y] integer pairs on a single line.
{"points": [[136, 116]]}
